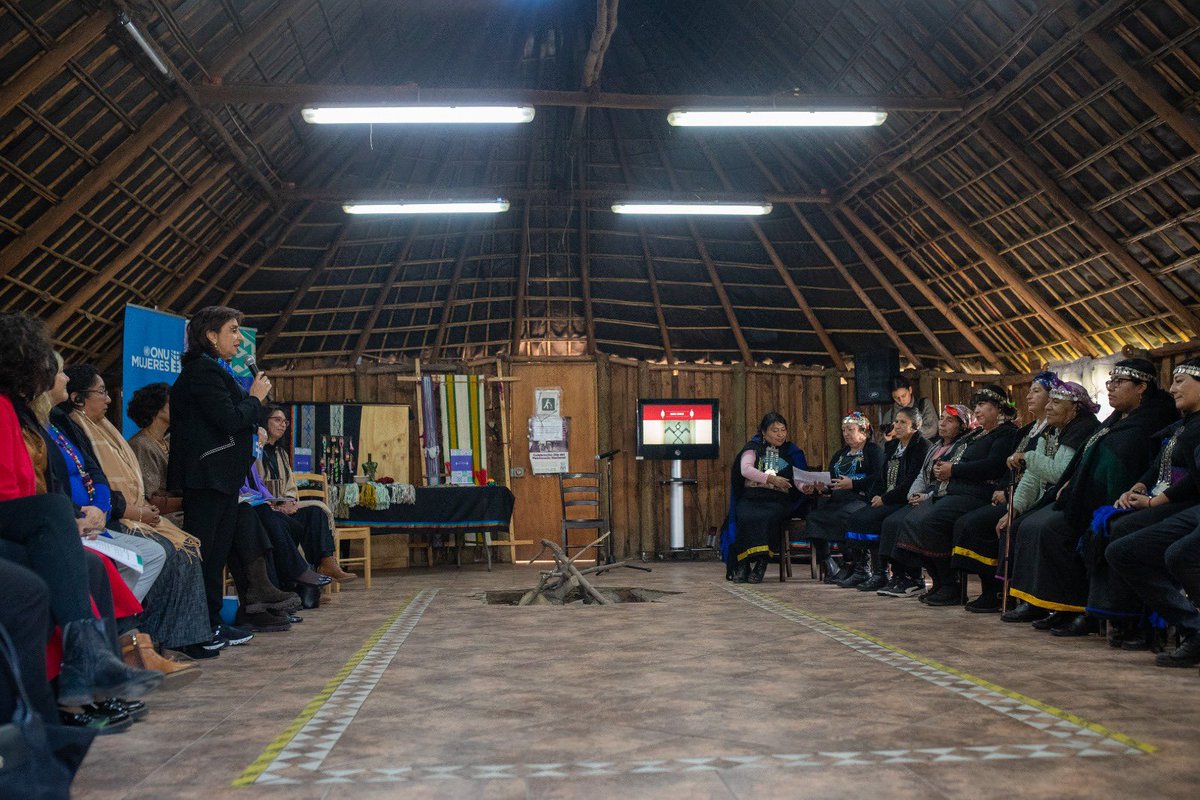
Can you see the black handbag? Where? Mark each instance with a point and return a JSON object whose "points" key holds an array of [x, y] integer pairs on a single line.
{"points": [[38, 760]]}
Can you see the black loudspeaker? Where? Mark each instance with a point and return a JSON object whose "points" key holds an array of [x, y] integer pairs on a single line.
{"points": [[872, 371]]}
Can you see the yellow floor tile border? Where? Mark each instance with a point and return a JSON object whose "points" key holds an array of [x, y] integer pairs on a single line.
{"points": [[788, 610]]}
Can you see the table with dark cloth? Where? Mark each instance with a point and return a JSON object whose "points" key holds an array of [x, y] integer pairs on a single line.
{"points": [[441, 509]]}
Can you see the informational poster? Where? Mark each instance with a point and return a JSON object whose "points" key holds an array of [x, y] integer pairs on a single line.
{"points": [[462, 468], [548, 438], [152, 353]]}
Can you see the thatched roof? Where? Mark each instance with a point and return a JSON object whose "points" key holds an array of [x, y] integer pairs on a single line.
{"points": [[1032, 195]]}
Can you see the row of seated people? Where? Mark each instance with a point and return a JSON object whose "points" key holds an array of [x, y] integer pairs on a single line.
{"points": [[93, 632], [1090, 520]]}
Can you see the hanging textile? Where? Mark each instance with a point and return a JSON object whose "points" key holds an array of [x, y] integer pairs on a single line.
{"points": [[430, 442], [463, 425]]}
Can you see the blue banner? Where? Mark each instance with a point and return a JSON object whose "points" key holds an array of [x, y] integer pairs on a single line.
{"points": [[154, 344]]}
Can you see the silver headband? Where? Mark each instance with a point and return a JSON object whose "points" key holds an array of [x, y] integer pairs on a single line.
{"points": [[993, 395], [1130, 372], [1187, 369]]}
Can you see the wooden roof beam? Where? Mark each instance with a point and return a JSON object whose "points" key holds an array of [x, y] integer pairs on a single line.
{"points": [[999, 266], [240, 281], [258, 33], [780, 268], [49, 63], [893, 292], [593, 63], [295, 94], [384, 290], [196, 271], [327, 258], [155, 229], [439, 339], [1091, 227], [923, 287]]}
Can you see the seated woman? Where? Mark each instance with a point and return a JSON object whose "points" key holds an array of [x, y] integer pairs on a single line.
{"points": [[310, 521], [176, 615], [1168, 486], [763, 495], [974, 534], [36, 516], [150, 410], [1048, 572], [906, 580], [1070, 417], [967, 476], [904, 455], [853, 470]]}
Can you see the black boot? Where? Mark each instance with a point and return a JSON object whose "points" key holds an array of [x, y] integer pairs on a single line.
{"points": [[861, 573], [988, 601], [1082, 625], [1024, 612], [879, 575], [758, 570], [91, 670], [1056, 620]]}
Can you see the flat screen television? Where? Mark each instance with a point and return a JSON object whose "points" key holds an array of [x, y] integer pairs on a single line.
{"points": [[669, 429]]}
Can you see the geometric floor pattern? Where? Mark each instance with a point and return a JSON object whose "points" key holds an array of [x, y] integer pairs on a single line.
{"points": [[307, 742], [1073, 733], [298, 754]]}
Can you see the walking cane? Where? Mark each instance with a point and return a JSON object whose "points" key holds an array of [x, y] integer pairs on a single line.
{"points": [[1007, 572]]}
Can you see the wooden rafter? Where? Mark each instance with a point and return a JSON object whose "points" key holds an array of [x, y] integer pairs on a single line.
{"points": [[188, 280], [264, 344], [148, 236], [439, 339], [384, 290], [294, 94], [999, 266], [593, 63], [249, 272], [258, 33], [923, 287], [780, 268], [51, 62]]}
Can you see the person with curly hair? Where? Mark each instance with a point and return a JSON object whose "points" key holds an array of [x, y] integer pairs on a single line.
{"points": [[150, 410], [39, 523]]}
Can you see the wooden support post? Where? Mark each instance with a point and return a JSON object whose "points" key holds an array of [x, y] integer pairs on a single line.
{"points": [[100, 280], [604, 439], [502, 387], [924, 288], [420, 396], [92, 184], [999, 266], [50, 63]]}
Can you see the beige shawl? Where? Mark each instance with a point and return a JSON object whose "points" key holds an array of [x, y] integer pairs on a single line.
{"points": [[125, 476]]}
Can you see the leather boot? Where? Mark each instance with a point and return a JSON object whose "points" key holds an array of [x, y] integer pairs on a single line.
{"points": [[309, 594], [259, 589], [137, 650], [879, 575], [329, 566], [91, 670], [758, 570]]}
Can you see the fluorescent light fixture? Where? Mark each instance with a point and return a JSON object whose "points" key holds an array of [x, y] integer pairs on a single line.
{"points": [[773, 118], [429, 207], [151, 53], [720, 209], [417, 115]]}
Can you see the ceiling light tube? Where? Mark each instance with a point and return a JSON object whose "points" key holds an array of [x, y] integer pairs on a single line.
{"points": [[151, 53], [719, 209], [417, 115], [429, 207], [773, 118]]}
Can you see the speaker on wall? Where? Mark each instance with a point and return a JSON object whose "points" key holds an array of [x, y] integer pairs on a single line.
{"points": [[872, 371]]}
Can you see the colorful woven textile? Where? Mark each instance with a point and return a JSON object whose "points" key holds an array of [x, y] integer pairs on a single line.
{"points": [[463, 424]]}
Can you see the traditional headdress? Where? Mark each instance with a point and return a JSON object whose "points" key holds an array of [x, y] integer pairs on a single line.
{"points": [[1077, 394], [962, 412], [856, 418], [1187, 368], [1047, 379], [1135, 369]]}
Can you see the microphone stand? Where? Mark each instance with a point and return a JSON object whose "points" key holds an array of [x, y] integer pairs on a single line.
{"points": [[607, 458]]}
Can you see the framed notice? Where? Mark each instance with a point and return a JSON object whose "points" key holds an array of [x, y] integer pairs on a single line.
{"points": [[548, 437]]}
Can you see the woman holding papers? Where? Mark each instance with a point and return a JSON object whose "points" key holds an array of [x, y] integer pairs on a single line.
{"points": [[763, 495]]}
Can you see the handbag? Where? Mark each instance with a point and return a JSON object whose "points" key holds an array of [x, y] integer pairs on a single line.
{"points": [[37, 760]]}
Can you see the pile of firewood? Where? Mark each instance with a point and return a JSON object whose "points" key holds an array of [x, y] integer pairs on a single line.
{"points": [[565, 579]]}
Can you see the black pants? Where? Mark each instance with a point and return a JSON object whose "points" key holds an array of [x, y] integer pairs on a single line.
{"points": [[289, 564], [1154, 562], [310, 528], [210, 516], [44, 526], [25, 614]]}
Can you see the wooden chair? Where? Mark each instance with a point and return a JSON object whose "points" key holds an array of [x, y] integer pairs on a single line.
{"points": [[354, 534], [582, 506], [311, 486], [790, 544]]}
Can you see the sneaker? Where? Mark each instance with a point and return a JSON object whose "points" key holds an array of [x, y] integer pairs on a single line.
{"points": [[876, 583], [201, 650], [905, 587], [230, 635], [888, 589], [211, 645]]}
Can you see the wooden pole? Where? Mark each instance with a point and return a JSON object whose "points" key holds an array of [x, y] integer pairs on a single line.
{"points": [[50, 63], [420, 396], [506, 453], [998, 264], [100, 280], [585, 268], [988, 354]]}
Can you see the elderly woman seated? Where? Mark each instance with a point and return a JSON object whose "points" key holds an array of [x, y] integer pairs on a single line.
{"points": [[150, 410], [309, 521]]}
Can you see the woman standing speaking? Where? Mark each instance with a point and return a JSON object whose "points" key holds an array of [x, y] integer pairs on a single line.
{"points": [[213, 424]]}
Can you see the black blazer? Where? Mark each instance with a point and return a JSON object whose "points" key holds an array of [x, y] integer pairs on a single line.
{"points": [[910, 466], [983, 464], [213, 427]]}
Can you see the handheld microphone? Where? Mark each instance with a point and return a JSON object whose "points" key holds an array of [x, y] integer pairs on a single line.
{"points": [[251, 364], [609, 454]]}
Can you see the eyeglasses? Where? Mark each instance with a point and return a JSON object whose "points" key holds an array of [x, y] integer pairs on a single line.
{"points": [[96, 391], [1113, 383]]}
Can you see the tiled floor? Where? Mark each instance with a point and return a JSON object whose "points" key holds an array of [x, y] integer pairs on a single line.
{"points": [[418, 689]]}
